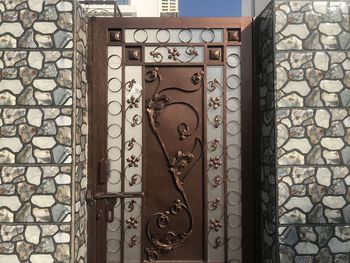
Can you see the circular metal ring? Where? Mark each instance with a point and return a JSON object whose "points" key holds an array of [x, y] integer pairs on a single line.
{"points": [[238, 195], [118, 177], [115, 225], [114, 131], [114, 82], [236, 101], [233, 171], [112, 106], [140, 41], [239, 221], [161, 30], [114, 59], [234, 57], [233, 77], [211, 32], [237, 242], [190, 36], [111, 152], [236, 150], [113, 245], [234, 131]]}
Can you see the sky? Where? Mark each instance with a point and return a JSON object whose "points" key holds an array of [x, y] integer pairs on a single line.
{"points": [[210, 7]]}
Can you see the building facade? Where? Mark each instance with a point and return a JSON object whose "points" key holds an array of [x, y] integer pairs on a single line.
{"points": [[253, 7], [136, 8]]}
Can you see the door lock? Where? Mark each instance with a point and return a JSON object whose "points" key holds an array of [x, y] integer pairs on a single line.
{"points": [[110, 201]]}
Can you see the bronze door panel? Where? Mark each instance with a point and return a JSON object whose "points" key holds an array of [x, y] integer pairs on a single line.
{"points": [[171, 141], [173, 145]]}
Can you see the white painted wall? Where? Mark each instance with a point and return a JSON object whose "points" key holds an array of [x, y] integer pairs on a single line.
{"points": [[260, 5], [253, 7], [146, 8]]}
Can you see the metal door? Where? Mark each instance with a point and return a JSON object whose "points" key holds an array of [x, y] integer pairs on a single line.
{"points": [[171, 111]]}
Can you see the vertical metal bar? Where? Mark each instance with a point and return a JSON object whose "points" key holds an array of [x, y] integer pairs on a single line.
{"points": [[205, 161], [247, 94], [143, 177], [122, 217], [224, 134]]}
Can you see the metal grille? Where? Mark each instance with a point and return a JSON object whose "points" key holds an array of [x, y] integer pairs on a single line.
{"points": [[174, 120]]}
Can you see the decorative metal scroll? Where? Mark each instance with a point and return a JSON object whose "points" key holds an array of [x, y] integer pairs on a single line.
{"points": [[174, 54], [179, 167]]}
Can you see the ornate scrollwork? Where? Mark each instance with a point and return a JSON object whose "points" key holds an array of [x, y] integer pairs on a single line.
{"points": [[215, 162], [213, 205], [217, 181], [133, 161], [218, 243], [215, 102], [179, 167], [173, 54], [130, 144], [215, 224], [214, 144], [133, 102], [133, 241], [213, 84], [217, 121]]}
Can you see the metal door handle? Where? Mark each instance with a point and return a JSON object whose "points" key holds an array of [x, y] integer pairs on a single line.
{"points": [[110, 201], [90, 196]]}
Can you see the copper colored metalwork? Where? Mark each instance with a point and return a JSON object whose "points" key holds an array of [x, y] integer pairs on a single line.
{"points": [[234, 35], [134, 54], [173, 54], [215, 54], [179, 166], [174, 179], [115, 35]]}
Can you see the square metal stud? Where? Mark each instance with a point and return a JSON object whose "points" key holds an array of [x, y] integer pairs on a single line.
{"points": [[134, 54], [115, 35], [215, 54], [234, 35]]}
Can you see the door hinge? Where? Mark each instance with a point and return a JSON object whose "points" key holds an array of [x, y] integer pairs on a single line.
{"points": [[110, 201]]}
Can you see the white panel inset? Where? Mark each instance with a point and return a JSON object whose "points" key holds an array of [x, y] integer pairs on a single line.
{"points": [[133, 128], [114, 148], [180, 54], [173, 36], [233, 151], [215, 159]]}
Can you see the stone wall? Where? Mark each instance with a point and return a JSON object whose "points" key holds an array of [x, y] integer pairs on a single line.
{"points": [[43, 129], [312, 99]]}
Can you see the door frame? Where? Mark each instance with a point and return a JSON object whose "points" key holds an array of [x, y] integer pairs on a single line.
{"points": [[97, 78]]}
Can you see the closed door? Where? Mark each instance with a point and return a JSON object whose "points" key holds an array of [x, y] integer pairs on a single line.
{"points": [[170, 113]]}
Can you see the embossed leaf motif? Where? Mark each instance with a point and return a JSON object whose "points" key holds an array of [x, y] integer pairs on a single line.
{"points": [[132, 222], [133, 102], [177, 164], [215, 224], [174, 54]]}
